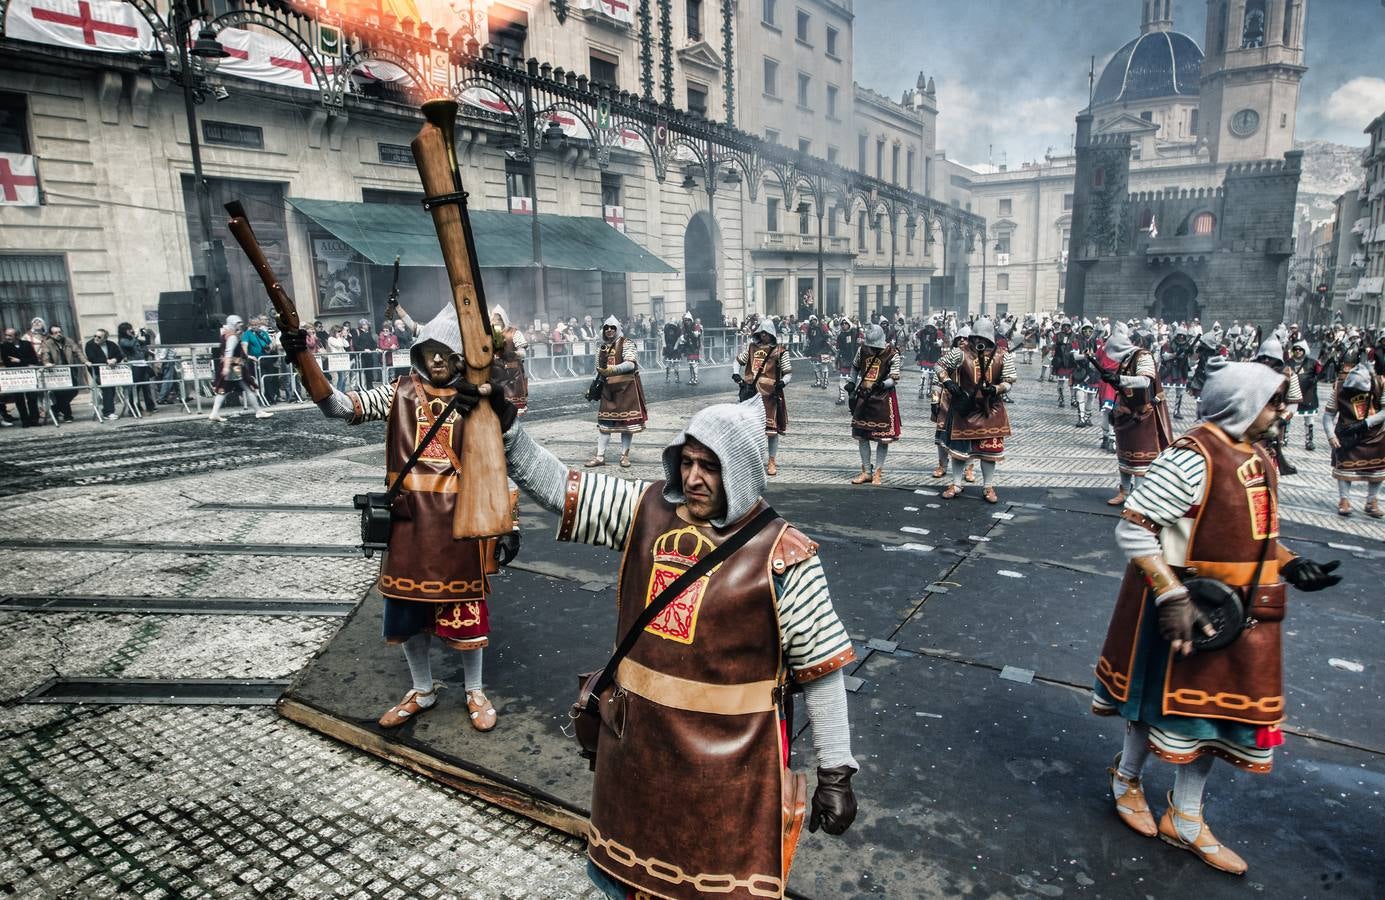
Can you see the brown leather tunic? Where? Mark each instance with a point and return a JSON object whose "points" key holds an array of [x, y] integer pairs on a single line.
{"points": [[976, 424], [622, 405], [1365, 461], [776, 410], [1141, 421], [876, 415], [688, 790], [508, 369], [1239, 512], [423, 561]]}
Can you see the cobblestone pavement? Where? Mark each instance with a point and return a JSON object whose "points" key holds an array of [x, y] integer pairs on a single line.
{"points": [[183, 801]]}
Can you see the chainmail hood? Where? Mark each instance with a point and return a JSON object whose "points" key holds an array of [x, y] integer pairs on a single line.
{"points": [[1235, 392], [443, 329], [1118, 345], [735, 432]]}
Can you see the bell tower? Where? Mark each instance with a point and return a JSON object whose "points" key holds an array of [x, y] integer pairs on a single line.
{"points": [[1251, 69]]}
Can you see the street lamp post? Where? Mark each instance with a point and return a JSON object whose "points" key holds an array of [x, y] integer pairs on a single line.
{"points": [[894, 286], [983, 275], [821, 303]]}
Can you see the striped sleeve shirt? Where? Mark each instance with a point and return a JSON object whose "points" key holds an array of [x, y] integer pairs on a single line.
{"points": [[813, 639], [951, 361], [372, 405], [1172, 486]]}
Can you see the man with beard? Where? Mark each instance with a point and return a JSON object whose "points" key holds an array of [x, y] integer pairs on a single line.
{"points": [[874, 406], [622, 409], [1140, 418], [1209, 507], [766, 369], [975, 376], [1175, 367], [1354, 422]]}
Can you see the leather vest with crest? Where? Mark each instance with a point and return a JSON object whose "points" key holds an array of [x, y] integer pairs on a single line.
{"points": [[976, 424]]}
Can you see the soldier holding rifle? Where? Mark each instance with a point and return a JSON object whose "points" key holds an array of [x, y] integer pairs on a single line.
{"points": [[976, 375]]}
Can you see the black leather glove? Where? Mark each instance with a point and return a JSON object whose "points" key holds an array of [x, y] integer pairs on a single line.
{"points": [[736, 377], [294, 342], [1307, 575], [1178, 617], [989, 390], [504, 408], [834, 803], [953, 388], [1111, 377], [779, 385]]}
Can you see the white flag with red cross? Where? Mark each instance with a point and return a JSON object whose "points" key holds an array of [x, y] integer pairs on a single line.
{"points": [[615, 217], [108, 26], [521, 205], [266, 57], [18, 180]]}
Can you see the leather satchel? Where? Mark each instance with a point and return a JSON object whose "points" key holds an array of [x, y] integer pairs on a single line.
{"points": [[598, 702], [747, 389]]}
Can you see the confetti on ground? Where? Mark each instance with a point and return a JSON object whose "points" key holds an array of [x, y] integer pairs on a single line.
{"points": [[911, 547], [912, 529], [1008, 573], [1346, 664]]}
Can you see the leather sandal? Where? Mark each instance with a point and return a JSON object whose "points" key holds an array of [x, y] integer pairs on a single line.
{"points": [[1205, 846], [482, 712], [408, 708], [939, 472], [771, 468], [953, 490], [1372, 509], [1132, 806], [595, 461], [1118, 500], [969, 475], [862, 478], [625, 460], [876, 478], [1344, 507], [989, 494]]}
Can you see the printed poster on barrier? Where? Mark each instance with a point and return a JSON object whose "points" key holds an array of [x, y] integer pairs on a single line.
{"points": [[197, 371], [341, 278], [338, 362], [18, 380], [115, 376], [57, 377]]}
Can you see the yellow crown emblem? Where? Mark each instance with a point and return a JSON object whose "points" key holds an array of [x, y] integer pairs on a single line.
{"points": [[1251, 472], [683, 546]]}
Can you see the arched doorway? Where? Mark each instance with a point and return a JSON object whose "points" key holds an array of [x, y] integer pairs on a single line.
{"points": [[700, 245], [1175, 299]]}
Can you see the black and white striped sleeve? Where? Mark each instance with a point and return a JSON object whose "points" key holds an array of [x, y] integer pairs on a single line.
{"points": [[599, 509], [372, 405]]}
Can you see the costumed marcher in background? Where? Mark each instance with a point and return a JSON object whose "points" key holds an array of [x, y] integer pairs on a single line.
{"points": [[766, 369], [692, 345], [433, 585], [976, 375], [1209, 346], [1271, 354], [928, 341], [847, 339], [1307, 373], [233, 371], [1106, 395], [1354, 421], [874, 403], [701, 690], [1208, 505], [1031, 339], [1140, 418], [673, 351], [1085, 374], [816, 348], [1176, 366], [940, 406], [508, 365], [622, 410], [1064, 345]]}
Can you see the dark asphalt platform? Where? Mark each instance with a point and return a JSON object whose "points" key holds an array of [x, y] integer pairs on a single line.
{"points": [[977, 779]]}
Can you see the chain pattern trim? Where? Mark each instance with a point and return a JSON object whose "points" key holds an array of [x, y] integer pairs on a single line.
{"points": [[757, 885]]}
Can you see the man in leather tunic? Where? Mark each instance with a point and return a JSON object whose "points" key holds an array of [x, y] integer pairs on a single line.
{"points": [[691, 793]]}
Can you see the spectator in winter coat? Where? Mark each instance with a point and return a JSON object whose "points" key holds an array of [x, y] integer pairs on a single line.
{"points": [[102, 353], [61, 350]]}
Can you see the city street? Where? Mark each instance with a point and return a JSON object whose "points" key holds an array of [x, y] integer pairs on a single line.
{"points": [[144, 556]]}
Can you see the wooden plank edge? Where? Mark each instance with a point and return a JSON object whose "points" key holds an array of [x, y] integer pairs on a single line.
{"points": [[468, 782]]}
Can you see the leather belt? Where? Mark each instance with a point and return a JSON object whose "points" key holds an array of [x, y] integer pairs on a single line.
{"points": [[1236, 574], [620, 379], [696, 696], [424, 483]]}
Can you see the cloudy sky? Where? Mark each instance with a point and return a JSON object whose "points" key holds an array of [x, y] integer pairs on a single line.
{"points": [[1012, 74]]}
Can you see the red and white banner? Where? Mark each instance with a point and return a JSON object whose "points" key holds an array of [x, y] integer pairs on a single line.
{"points": [[572, 126], [18, 180], [521, 205], [619, 10], [488, 100], [615, 217], [265, 57], [110, 26]]}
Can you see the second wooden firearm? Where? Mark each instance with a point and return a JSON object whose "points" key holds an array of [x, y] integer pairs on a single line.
{"points": [[308, 369], [483, 495]]}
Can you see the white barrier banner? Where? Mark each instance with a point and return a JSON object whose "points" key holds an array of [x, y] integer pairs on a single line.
{"points": [[57, 377], [195, 371], [18, 380], [338, 362], [115, 376]]}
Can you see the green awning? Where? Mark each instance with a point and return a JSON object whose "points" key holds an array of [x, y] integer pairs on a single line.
{"points": [[380, 231]]}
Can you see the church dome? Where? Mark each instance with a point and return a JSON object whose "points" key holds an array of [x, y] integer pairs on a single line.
{"points": [[1156, 64]]}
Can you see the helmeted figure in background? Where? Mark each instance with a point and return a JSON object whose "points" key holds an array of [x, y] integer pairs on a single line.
{"points": [[1176, 365], [692, 345], [691, 793], [1208, 506], [673, 351], [1030, 334], [976, 375], [874, 403], [1085, 374], [1306, 372], [1271, 353], [1354, 422], [1209, 346], [508, 367], [1140, 418], [847, 340], [1106, 394], [622, 410], [941, 404], [766, 368], [929, 349], [433, 585], [1064, 345], [817, 348]]}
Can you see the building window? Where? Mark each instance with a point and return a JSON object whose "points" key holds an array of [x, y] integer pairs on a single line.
{"points": [[694, 8], [1221, 30], [1002, 281], [767, 12], [802, 32], [771, 136], [861, 153], [804, 85], [834, 297], [1147, 116], [832, 221], [1146, 219], [832, 155], [909, 170], [35, 286], [880, 158], [610, 189], [879, 234], [771, 77], [1002, 243], [805, 145], [1006, 206], [14, 128], [1192, 122], [831, 41], [894, 164], [879, 299], [516, 178], [508, 29], [604, 67], [861, 232], [1289, 13], [697, 99], [1067, 201], [1099, 177], [1253, 31], [774, 295], [804, 214], [831, 101], [771, 214], [1204, 223]]}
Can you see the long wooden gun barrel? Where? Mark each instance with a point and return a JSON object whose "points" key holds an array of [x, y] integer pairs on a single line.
{"points": [[483, 495], [308, 369]]}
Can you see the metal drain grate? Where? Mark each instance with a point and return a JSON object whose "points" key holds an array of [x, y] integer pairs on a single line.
{"points": [[160, 691], [201, 606]]}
